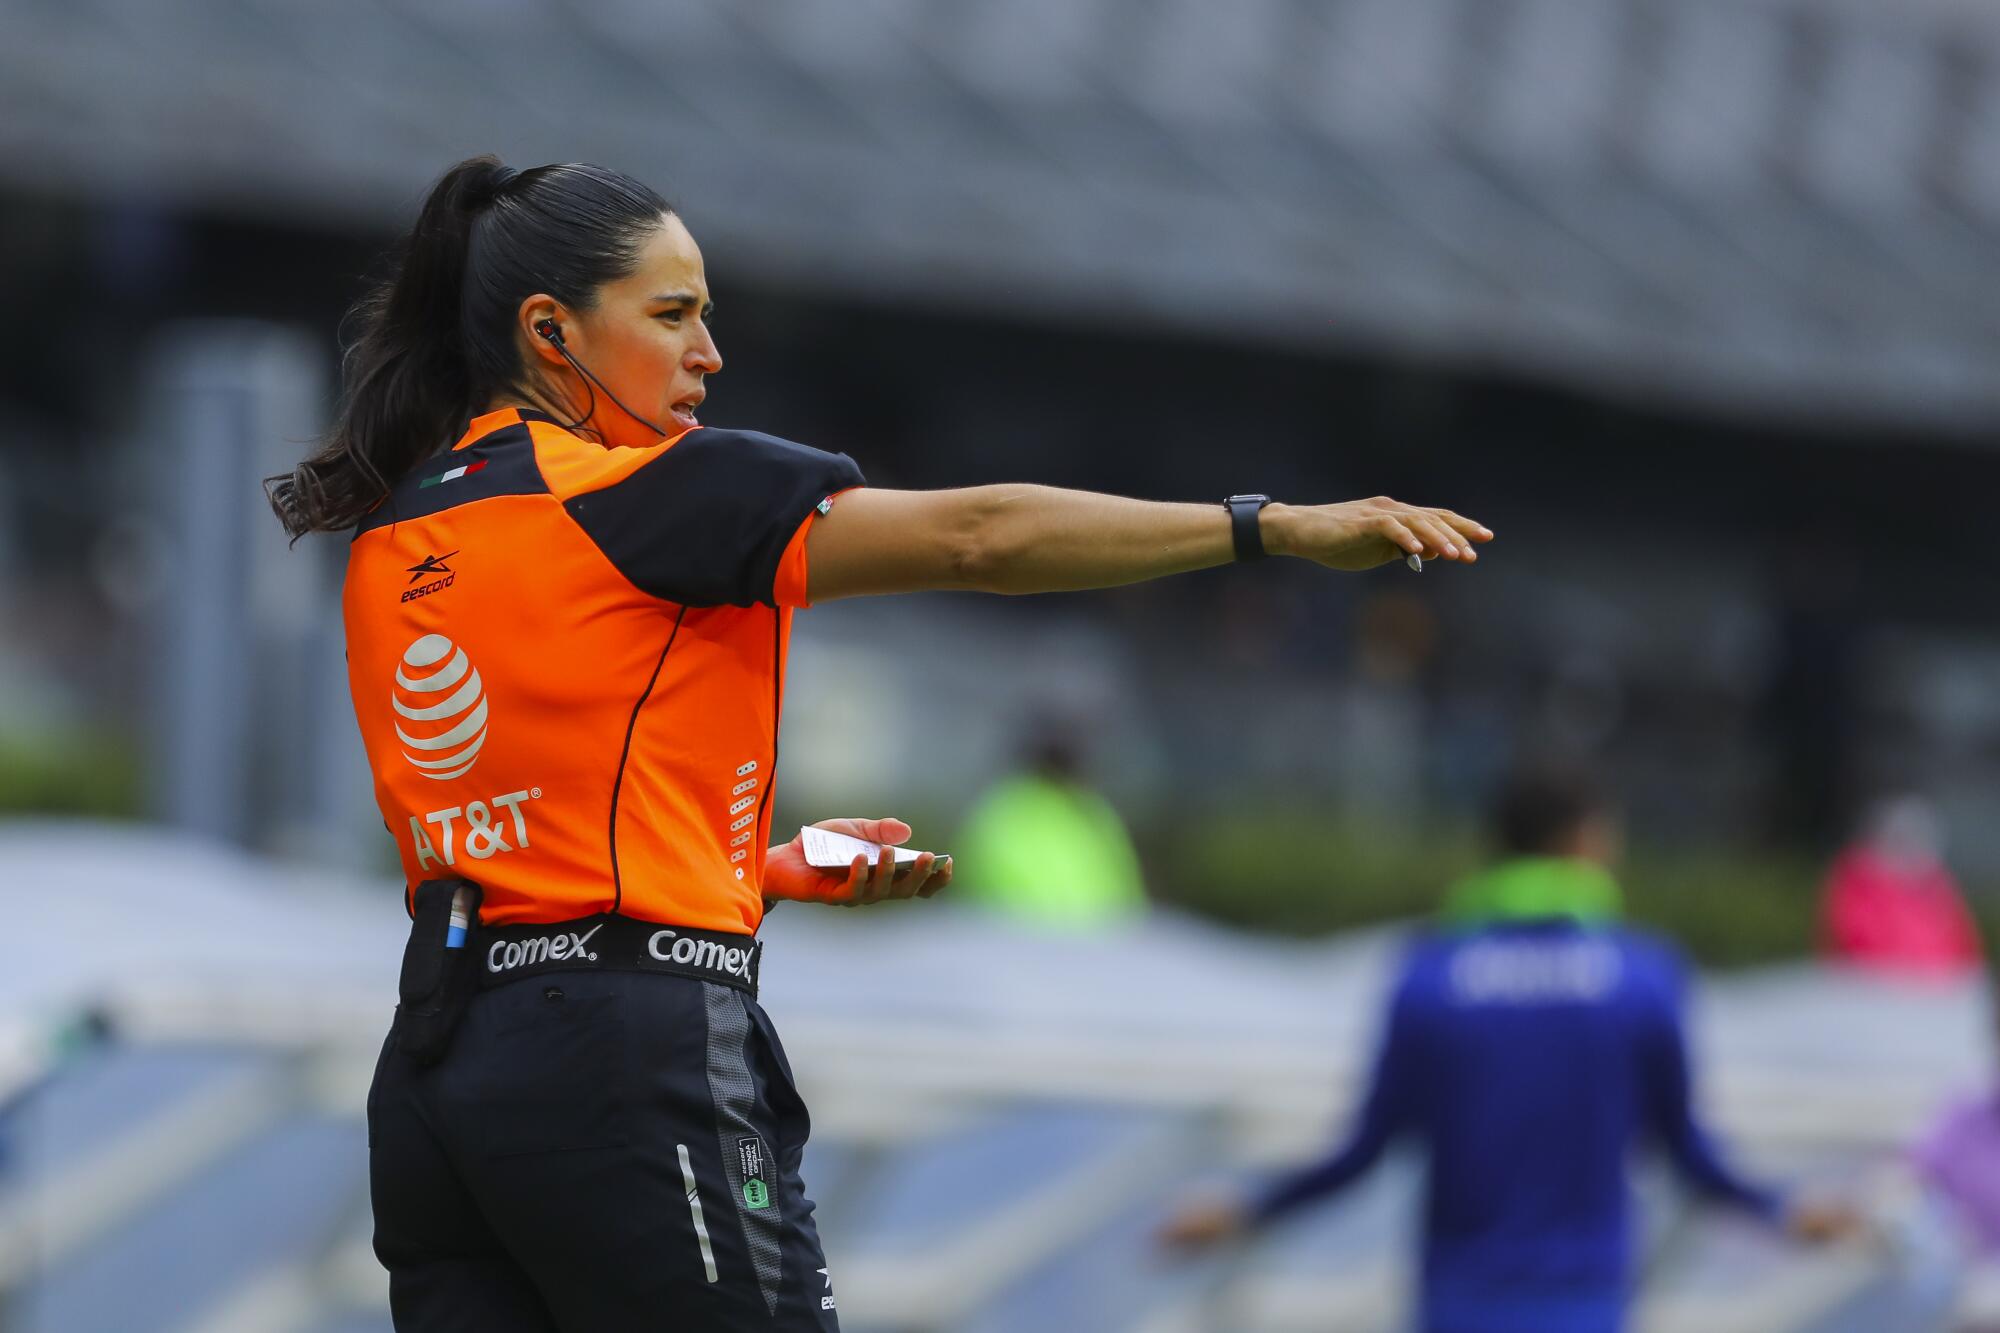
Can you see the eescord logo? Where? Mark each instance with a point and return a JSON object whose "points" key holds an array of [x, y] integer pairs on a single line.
{"points": [[673, 947], [430, 564], [420, 682], [541, 949], [436, 585], [430, 567]]}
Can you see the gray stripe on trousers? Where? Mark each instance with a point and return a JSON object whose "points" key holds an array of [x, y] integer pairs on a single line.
{"points": [[735, 1094]]}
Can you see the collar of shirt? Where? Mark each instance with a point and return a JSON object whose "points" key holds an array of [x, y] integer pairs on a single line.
{"points": [[487, 422], [1534, 888]]}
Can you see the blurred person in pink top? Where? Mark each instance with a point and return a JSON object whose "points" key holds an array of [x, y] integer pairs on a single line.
{"points": [[1891, 905]]}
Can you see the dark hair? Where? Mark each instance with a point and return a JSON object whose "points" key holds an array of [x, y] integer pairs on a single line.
{"points": [[435, 341], [1542, 803]]}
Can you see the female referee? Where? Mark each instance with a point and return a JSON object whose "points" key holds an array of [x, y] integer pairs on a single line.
{"points": [[567, 607]]}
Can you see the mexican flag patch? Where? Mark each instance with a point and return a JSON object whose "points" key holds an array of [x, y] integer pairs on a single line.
{"points": [[463, 470]]}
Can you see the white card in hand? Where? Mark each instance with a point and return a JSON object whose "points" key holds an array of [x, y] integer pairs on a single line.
{"points": [[836, 851]]}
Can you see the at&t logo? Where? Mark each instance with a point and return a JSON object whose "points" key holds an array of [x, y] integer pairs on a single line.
{"points": [[448, 704], [476, 828]]}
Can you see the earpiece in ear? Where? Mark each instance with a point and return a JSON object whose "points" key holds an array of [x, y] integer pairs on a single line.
{"points": [[547, 328]]}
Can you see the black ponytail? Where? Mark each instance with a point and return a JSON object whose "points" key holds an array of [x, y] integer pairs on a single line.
{"points": [[435, 342]]}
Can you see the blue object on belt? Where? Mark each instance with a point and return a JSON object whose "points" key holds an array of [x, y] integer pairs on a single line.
{"points": [[461, 919]]}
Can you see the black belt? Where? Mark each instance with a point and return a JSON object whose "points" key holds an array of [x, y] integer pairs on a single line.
{"points": [[614, 943]]}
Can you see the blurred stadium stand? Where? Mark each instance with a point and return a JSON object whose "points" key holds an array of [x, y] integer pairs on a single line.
{"points": [[1619, 277], [1786, 203]]}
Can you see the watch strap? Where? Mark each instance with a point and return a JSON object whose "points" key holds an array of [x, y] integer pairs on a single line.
{"points": [[1244, 528]]}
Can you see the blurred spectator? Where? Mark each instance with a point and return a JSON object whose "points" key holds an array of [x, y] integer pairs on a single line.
{"points": [[1958, 1162], [1890, 903], [1040, 845], [1959, 1157], [1531, 1043]]}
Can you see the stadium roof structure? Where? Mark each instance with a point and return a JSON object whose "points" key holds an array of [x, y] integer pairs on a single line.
{"points": [[1783, 206]]}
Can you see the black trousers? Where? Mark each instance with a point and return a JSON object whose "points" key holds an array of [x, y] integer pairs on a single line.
{"points": [[598, 1151]]}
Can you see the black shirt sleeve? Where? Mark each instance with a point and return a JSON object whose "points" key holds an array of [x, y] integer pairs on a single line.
{"points": [[707, 522]]}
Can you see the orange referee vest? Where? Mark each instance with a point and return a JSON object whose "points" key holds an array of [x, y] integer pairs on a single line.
{"points": [[568, 662]]}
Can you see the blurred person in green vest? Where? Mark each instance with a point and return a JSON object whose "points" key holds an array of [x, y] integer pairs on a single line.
{"points": [[1042, 846]]}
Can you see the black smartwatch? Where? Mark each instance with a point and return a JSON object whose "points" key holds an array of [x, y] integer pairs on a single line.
{"points": [[1243, 513]]}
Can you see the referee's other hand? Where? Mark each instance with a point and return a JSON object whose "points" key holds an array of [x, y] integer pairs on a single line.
{"points": [[1200, 1223], [787, 875], [1361, 534], [1825, 1221]]}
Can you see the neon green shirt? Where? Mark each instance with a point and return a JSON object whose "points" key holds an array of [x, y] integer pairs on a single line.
{"points": [[1050, 852], [1535, 887]]}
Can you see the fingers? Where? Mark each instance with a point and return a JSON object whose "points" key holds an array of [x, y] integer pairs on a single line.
{"points": [[924, 876], [1456, 530], [1439, 540], [911, 876], [1467, 528], [889, 832], [1825, 1221], [1362, 534], [886, 830], [868, 881], [1201, 1224], [1443, 534], [1389, 526], [884, 879], [882, 876], [857, 877]]}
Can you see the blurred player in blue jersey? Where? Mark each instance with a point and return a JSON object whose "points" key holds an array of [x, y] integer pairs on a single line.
{"points": [[1532, 1044]]}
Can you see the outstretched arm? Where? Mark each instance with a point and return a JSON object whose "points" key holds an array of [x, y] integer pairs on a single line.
{"points": [[1389, 1108], [1669, 1094], [1028, 539]]}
